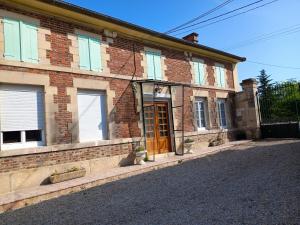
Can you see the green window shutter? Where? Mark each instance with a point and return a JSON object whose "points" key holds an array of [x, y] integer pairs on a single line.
{"points": [[84, 55], [201, 73], [222, 77], [29, 43], [12, 39], [196, 70], [218, 74], [150, 65], [157, 65], [95, 54]]}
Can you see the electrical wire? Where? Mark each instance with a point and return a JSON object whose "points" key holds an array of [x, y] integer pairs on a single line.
{"points": [[272, 65], [266, 37], [201, 16], [226, 18], [215, 17]]}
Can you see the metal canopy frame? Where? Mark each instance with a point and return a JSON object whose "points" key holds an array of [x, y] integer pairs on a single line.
{"points": [[157, 83]]}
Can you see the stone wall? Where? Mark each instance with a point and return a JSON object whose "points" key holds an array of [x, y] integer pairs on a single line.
{"points": [[246, 107]]}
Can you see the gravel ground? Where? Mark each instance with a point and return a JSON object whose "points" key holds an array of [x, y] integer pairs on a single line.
{"points": [[256, 184]]}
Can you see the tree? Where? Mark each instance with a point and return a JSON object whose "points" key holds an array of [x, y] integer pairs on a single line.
{"points": [[265, 84]]}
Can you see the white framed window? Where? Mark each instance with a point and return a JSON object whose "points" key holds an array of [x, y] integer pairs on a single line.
{"points": [[199, 71], [222, 113], [21, 116], [220, 75], [200, 108]]}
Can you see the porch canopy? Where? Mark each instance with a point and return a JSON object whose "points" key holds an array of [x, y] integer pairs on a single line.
{"points": [[155, 90]]}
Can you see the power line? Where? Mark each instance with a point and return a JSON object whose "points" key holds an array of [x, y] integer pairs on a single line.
{"points": [[201, 16], [268, 36], [272, 65], [215, 17], [226, 18]]}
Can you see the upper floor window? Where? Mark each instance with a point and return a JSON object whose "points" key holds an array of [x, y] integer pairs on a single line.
{"points": [[89, 53], [20, 41], [154, 65], [199, 71], [200, 108], [220, 75], [222, 113]]}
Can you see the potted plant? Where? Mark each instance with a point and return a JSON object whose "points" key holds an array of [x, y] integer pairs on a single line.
{"points": [[188, 144], [140, 155], [216, 141], [69, 174]]}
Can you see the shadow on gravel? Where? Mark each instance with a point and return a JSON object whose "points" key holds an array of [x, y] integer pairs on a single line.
{"points": [[258, 184]]}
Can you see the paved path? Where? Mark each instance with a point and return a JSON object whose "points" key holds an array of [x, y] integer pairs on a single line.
{"points": [[256, 184]]}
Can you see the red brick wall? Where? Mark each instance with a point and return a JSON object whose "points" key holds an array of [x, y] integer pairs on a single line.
{"points": [[122, 58], [179, 70], [123, 62], [125, 115], [212, 107], [63, 117], [13, 163], [229, 75]]}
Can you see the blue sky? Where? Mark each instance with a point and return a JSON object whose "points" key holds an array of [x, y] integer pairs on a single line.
{"points": [[161, 15]]}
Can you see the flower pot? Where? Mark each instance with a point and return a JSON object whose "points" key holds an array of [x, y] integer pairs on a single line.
{"points": [[139, 156], [188, 147], [216, 143], [60, 177]]}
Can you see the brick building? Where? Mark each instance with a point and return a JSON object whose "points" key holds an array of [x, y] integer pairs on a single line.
{"points": [[81, 88]]}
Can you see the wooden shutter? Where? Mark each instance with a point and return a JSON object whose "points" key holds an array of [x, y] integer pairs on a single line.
{"points": [[196, 71], [22, 108], [222, 76], [29, 43], [201, 73], [12, 39], [84, 55], [157, 65], [150, 65], [95, 54]]}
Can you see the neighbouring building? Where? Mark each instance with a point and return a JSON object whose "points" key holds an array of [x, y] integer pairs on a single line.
{"points": [[81, 88]]}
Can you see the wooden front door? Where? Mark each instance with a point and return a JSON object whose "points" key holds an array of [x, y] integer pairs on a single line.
{"points": [[157, 128]]}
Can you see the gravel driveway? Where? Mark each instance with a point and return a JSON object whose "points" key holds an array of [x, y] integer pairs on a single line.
{"points": [[254, 184]]}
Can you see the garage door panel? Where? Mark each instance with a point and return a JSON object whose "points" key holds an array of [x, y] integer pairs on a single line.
{"points": [[22, 108], [91, 116]]}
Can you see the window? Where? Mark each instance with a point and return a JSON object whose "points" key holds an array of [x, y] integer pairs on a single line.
{"points": [[89, 53], [154, 65], [222, 113], [20, 41], [21, 116], [200, 108], [220, 75], [199, 70]]}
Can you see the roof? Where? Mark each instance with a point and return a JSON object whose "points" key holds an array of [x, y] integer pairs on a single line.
{"points": [[100, 16]]}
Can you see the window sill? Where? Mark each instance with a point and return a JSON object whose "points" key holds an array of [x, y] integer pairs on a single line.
{"points": [[19, 145], [213, 87], [205, 132], [48, 67]]}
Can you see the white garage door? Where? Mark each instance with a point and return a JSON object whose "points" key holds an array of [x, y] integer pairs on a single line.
{"points": [[91, 115]]}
